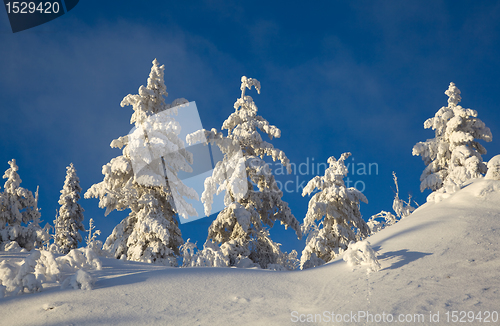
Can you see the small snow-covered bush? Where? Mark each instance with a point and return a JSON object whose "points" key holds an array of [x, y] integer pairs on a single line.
{"points": [[311, 261], [384, 219], [47, 268], [15, 279], [25, 278], [276, 267], [79, 258], [188, 252], [8, 273], [399, 206], [80, 280], [41, 266], [361, 253], [12, 246], [493, 168], [376, 224], [245, 262], [92, 242], [290, 260], [210, 256]]}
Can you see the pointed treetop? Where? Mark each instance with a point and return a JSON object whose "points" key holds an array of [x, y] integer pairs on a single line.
{"points": [[151, 99], [71, 177], [156, 78], [71, 185], [334, 175], [454, 95], [13, 179], [248, 83]]}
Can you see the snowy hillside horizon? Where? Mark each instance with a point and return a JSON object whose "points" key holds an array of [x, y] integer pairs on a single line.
{"points": [[438, 266]]}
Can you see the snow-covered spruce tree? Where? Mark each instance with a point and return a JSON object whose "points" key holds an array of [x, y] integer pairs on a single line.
{"points": [[70, 218], [150, 233], [19, 213], [454, 155], [338, 208], [252, 197]]}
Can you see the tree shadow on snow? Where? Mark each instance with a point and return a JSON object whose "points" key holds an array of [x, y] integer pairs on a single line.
{"points": [[121, 276], [403, 257]]}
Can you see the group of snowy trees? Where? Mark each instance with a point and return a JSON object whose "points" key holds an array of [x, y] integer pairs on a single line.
{"points": [[239, 236], [20, 215], [155, 195], [144, 179]]}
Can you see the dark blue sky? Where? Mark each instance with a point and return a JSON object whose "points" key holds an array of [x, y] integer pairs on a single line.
{"points": [[358, 76]]}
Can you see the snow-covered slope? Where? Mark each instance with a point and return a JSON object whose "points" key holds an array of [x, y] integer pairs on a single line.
{"points": [[442, 258]]}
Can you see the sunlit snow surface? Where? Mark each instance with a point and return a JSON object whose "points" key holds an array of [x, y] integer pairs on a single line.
{"points": [[444, 257]]}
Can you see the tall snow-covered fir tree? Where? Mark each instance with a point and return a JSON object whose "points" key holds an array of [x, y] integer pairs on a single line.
{"points": [[144, 179], [252, 198], [19, 213], [337, 207], [69, 220], [454, 155]]}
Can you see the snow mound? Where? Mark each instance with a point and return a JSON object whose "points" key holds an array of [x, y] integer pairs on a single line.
{"points": [[80, 258], [81, 280], [493, 168], [17, 279], [361, 253], [42, 267]]}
